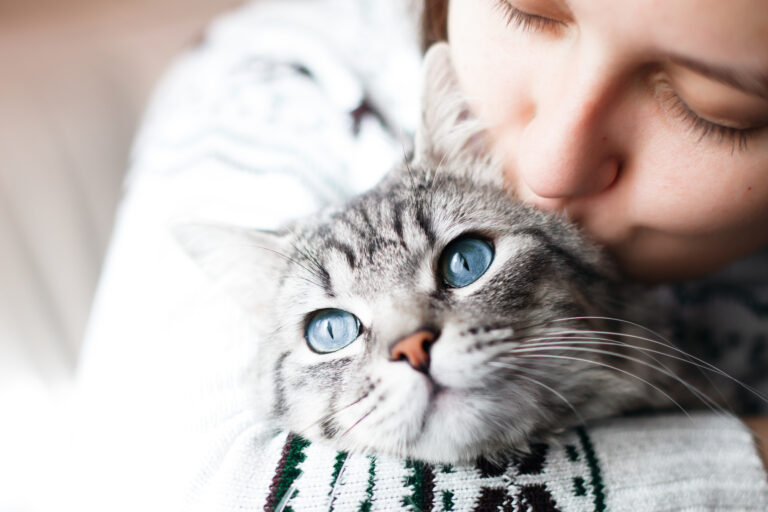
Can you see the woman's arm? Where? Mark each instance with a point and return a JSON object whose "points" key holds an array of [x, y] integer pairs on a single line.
{"points": [[704, 461], [759, 425]]}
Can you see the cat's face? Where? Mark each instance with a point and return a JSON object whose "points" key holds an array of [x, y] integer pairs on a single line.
{"points": [[399, 321], [402, 322]]}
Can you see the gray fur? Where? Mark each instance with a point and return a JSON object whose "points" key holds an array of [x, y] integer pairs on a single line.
{"points": [[377, 258]]}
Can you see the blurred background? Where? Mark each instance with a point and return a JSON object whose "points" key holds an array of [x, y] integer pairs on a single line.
{"points": [[74, 78]]}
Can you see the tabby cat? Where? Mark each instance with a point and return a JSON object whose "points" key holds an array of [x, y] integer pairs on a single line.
{"points": [[434, 317]]}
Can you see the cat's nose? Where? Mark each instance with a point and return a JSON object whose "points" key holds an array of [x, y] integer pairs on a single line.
{"points": [[414, 348]]}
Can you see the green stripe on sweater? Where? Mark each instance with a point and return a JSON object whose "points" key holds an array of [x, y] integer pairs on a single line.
{"points": [[290, 470], [596, 479]]}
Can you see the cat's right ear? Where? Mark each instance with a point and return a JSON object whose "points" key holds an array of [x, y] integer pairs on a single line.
{"points": [[448, 131], [246, 263]]}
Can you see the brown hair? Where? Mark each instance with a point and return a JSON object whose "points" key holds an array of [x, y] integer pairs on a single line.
{"points": [[434, 22]]}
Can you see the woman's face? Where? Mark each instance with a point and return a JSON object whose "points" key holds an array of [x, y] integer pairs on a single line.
{"points": [[645, 120]]}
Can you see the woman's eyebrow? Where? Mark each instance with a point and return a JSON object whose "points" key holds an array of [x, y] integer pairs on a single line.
{"points": [[752, 83]]}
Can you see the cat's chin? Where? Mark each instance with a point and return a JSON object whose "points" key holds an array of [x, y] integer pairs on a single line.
{"points": [[456, 427], [456, 431]]}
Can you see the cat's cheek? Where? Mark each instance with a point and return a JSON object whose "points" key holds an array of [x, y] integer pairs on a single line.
{"points": [[454, 365]]}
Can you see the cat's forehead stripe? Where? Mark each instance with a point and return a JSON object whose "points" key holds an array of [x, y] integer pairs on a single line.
{"points": [[280, 406], [424, 221], [581, 269], [344, 248], [326, 282], [397, 222]]}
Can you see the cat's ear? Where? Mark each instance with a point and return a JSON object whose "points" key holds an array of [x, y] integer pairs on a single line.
{"points": [[246, 263], [448, 131]]}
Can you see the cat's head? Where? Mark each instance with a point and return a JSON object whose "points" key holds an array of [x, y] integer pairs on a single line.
{"points": [[399, 322]]}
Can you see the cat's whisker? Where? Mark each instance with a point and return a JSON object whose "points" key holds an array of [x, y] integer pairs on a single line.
{"points": [[308, 280], [317, 271], [289, 259], [436, 170], [709, 402], [614, 319], [694, 390], [359, 421], [596, 340], [663, 342], [409, 169], [691, 359], [688, 357], [565, 339], [578, 338], [539, 372], [536, 381], [611, 367], [549, 321], [334, 413], [520, 330]]}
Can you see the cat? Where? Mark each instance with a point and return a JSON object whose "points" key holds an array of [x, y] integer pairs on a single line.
{"points": [[434, 316]]}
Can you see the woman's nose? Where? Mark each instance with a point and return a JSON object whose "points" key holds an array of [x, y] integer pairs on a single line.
{"points": [[567, 147]]}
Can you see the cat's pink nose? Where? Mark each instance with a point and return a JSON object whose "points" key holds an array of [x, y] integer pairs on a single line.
{"points": [[414, 348]]}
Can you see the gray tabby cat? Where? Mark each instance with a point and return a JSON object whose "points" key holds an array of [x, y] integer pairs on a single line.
{"points": [[434, 317]]}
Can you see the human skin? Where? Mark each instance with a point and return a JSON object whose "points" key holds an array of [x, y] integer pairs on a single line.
{"points": [[759, 426], [583, 105], [645, 121]]}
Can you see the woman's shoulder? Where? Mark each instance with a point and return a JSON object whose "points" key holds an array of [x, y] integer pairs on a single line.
{"points": [[724, 318]]}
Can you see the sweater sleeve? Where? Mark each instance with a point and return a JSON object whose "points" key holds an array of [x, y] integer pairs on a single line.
{"points": [[669, 463], [278, 112]]}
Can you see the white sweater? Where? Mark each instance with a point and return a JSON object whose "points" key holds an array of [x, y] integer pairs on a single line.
{"points": [[289, 105]]}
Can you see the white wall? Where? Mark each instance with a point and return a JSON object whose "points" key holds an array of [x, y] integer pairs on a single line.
{"points": [[74, 76]]}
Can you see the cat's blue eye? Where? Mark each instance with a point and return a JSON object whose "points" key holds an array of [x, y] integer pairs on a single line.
{"points": [[464, 260], [331, 330]]}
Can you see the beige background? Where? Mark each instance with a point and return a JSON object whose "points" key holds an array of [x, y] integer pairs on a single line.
{"points": [[74, 77]]}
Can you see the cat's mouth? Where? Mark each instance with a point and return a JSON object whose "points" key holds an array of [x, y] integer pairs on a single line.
{"points": [[435, 388], [444, 400]]}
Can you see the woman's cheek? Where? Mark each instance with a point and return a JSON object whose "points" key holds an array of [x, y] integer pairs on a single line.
{"points": [[700, 188], [490, 59]]}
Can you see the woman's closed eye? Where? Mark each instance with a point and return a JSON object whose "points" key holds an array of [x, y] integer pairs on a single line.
{"points": [[737, 137], [733, 129], [707, 108], [515, 16]]}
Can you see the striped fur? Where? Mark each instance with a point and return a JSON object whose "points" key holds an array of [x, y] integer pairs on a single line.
{"points": [[377, 258]]}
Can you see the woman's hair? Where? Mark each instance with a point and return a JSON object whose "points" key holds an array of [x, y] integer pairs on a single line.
{"points": [[434, 22]]}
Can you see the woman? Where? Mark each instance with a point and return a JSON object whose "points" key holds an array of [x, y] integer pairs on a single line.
{"points": [[647, 124], [290, 105]]}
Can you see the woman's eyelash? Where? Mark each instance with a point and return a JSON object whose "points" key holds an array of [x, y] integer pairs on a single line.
{"points": [[737, 137], [524, 20]]}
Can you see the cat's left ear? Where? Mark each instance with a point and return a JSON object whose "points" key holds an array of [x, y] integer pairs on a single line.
{"points": [[246, 263], [448, 131]]}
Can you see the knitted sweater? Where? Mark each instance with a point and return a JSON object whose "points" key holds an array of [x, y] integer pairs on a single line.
{"points": [[287, 106]]}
